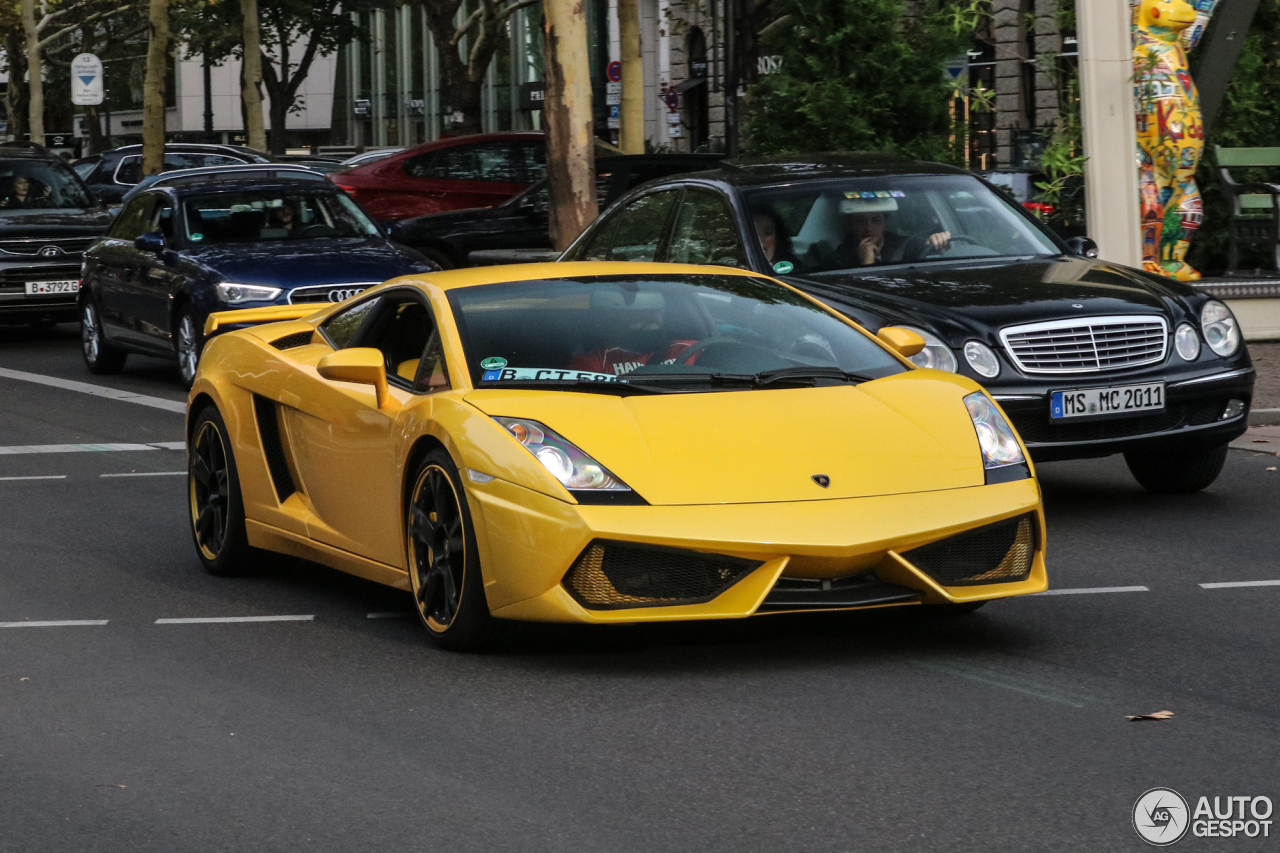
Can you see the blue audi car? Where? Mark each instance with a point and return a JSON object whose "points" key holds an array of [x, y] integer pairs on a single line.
{"points": [[177, 253]]}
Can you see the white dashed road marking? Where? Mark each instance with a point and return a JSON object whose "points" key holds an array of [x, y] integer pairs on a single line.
{"points": [[66, 623], [87, 448], [1092, 590], [148, 474], [42, 477], [202, 620], [1232, 584], [95, 390]]}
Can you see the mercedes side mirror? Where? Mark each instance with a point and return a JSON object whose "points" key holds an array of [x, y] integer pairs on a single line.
{"points": [[153, 243], [1083, 246], [362, 365]]}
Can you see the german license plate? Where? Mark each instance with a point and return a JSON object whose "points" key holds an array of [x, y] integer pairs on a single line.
{"points": [[40, 288], [1099, 402]]}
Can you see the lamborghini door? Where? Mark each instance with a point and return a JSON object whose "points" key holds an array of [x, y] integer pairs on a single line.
{"points": [[350, 452]]}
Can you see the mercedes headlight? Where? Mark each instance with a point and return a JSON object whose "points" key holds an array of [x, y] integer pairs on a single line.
{"points": [[233, 294], [935, 355], [1187, 342], [995, 436], [1221, 331], [982, 359], [573, 468]]}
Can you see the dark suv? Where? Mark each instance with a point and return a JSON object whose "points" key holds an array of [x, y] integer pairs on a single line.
{"points": [[47, 219], [113, 173]]}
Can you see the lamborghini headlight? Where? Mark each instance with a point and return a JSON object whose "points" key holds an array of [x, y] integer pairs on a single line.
{"points": [[995, 436], [1221, 331], [573, 468], [936, 354], [233, 294]]}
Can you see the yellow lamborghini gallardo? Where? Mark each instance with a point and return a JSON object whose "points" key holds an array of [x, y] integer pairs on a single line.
{"points": [[605, 442]]}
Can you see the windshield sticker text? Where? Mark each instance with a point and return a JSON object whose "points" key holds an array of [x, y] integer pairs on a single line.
{"points": [[541, 374]]}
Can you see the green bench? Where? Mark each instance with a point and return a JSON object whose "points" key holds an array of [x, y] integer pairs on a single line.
{"points": [[1255, 207]]}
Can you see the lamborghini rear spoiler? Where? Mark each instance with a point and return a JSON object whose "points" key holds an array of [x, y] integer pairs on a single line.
{"points": [[255, 316]]}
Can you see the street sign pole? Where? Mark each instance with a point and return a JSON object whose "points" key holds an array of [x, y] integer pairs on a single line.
{"points": [[1109, 129]]}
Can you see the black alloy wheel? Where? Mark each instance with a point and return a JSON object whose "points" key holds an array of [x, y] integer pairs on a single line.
{"points": [[1177, 472], [217, 511], [99, 356], [444, 571]]}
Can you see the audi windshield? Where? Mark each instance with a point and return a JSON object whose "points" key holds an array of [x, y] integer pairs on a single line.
{"points": [[272, 215]]}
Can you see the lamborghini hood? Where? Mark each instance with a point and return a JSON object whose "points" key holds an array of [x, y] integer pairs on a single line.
{"points": [[908, 433]]}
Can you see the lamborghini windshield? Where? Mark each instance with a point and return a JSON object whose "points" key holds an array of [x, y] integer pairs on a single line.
{"points": [[662, 332], [866, 222]]}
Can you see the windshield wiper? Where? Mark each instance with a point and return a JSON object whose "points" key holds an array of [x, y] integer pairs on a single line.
{"points": [[801, 374]]}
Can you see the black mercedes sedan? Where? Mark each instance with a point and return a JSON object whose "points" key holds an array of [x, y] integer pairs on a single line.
{"points": [[177, 253], [1087, 358], [113, 173]]}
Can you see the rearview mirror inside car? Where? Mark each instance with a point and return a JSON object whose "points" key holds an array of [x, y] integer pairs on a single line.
{"points": [[363, 365], [904, 342]]}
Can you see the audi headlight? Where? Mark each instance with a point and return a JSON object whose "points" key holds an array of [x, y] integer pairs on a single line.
{"points": [[982, 359], [1221, 331], [1187, 342], [233, 294], [573, 468], [995, 436], [935, 355]]}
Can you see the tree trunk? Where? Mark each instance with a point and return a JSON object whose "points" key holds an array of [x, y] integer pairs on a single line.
{"points": [[15, 94], [251, 77], [93, 127], [570, 154], [631, 135], [35, 70], [277, 86], [459, 96], [153, 89]]}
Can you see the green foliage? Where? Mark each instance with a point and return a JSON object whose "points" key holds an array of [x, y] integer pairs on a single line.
{"points": [[1062, 160], [858, 76], [1248, 118]]}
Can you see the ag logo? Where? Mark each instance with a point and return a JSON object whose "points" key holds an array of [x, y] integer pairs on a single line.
{"points": [[50, 252], [1160, 816], [821, 479]]}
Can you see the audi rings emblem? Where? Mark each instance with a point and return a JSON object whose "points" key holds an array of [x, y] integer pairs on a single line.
{"points": [[340, 294], [50, 252]]}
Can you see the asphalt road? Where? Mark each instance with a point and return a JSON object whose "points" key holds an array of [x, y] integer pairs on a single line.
{"points": [[888, 730]]}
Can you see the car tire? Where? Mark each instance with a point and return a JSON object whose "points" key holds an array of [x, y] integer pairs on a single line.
{"points": [[1178, 472], [99, 356], [444, 564], [188, 343], [217, 507]]}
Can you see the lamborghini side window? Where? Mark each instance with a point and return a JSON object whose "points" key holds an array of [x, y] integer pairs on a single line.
{"points": [[340, 329], [405, 332]]}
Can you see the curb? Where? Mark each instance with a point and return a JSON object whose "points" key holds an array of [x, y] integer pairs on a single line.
{"points": [[1264, 417]]}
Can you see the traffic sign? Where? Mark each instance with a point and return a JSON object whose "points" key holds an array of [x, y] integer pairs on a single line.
{"points": [[614, 71], [86, 80]]}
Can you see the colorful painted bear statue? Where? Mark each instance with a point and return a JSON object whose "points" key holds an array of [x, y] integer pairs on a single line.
{"points": [[1170, 130]]}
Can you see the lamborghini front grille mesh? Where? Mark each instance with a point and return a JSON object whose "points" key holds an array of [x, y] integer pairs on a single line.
{"points": [[612, 575], [996, 553]]}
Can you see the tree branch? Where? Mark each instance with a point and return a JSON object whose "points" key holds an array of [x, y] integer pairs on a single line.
{"points": [[71, 28]]}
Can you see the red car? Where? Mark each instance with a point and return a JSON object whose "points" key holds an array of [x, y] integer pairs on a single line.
{"points": [[449, 174]]}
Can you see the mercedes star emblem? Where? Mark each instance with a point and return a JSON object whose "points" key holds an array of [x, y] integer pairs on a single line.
{"points": [[821, 479], [1076, 305]]}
